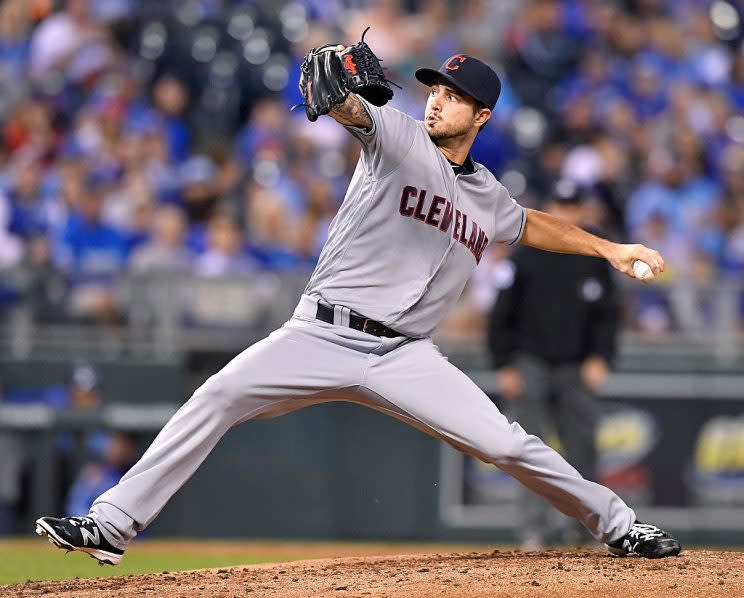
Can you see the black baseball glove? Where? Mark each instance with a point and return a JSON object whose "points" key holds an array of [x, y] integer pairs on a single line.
{"points": [[328, 75], [322, 82], [364, 75]]}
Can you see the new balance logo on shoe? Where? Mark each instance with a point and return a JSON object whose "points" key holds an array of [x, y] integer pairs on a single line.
{"points": [[94, 537], [645, 540], [79, 533], [627, 545]]}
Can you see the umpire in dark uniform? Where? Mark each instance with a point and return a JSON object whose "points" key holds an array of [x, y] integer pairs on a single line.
{"points": [[552, 337]]}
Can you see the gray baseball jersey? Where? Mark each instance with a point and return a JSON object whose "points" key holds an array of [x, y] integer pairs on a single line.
{"points": [[400, 250], [410, 231]]}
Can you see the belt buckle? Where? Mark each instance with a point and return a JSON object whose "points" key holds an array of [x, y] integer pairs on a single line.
{"points": [[364, 325]]}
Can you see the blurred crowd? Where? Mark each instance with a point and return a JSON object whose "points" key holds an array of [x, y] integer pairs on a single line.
{"points": [[87, 460], [149, 136]]}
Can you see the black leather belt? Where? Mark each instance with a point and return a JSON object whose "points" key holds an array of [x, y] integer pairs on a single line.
{"points": [[357, 322]]}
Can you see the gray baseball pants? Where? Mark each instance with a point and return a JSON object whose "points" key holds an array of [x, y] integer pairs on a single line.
{"points": [[307, 362]]}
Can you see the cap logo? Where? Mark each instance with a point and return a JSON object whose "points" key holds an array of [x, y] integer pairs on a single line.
{"points": [[454, 63]]}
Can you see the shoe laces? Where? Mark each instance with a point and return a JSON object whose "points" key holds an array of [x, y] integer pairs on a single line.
{"points": [[81, 521], [645, 531]]}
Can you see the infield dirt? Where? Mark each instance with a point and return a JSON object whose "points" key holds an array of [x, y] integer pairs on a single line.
{"points": [[513, 574]]}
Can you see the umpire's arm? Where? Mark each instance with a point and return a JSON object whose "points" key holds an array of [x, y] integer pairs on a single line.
{"points": [[503, 320], [503, 332], [547, 232], [605, 317]]}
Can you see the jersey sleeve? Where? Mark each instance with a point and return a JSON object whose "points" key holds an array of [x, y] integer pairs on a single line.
{"points": [[510, 217], [388, 142]]}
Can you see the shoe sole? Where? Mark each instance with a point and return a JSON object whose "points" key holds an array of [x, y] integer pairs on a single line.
{"points": [[619, 553], [102, 556]]}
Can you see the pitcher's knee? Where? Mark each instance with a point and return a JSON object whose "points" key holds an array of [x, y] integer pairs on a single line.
{"points": [[215, 397], [504, 448]]}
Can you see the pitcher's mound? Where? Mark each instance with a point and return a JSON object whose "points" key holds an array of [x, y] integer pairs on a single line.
{"points": [[514, 574]]}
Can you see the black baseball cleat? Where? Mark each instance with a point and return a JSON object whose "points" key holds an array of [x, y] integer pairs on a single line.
{"points": [[79, 533], [645, 540]]}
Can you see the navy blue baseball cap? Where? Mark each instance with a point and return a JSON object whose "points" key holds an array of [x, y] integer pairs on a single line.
{"points": [[467, 74]]}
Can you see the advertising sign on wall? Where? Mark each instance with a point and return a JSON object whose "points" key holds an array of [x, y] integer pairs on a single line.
{"points": [[680, 461]]}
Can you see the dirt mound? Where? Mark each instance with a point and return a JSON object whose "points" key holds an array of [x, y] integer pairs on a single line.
{"points": [[514, 574]]}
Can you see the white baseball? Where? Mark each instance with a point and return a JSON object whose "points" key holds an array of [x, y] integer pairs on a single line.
{"points": [[642, 271]]}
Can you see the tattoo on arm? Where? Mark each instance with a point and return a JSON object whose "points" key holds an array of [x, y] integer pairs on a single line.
{"points": [[352, 112]]}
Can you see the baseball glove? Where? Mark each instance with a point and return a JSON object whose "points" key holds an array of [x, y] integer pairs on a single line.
{"points": [[364, 75], [322, 82], [328, 75]]}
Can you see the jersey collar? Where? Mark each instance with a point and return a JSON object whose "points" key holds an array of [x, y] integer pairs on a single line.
{"points": [[467, 167]]}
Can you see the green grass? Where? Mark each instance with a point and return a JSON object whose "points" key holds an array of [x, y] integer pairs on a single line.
{"points": [[33, 559], [24, 562]]}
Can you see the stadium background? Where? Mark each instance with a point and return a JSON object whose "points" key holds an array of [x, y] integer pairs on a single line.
{"points": [[161, 208]]}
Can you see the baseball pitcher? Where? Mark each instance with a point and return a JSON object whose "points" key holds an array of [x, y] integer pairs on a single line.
{"points": [[417, 216]]}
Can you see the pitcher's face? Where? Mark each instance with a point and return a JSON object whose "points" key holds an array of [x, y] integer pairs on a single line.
{"points": [[449, 113]]}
